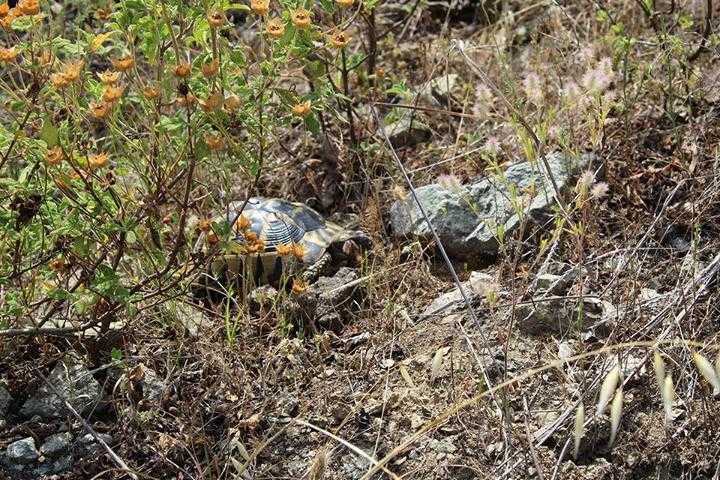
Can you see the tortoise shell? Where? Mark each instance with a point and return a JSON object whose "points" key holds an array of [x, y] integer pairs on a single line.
{"points": [[277, 222]]}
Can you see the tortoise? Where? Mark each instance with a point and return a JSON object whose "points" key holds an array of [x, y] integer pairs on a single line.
{"points": [[275, 239]]}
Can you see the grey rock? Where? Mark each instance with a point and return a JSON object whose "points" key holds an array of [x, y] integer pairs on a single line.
{"points": [[561, 315], [439, 90], [153, 386], [451, 301], [191, 318], [330, 299], [407, 131], [74, 382], [5, 400], [61, 465], [262, 297], [468, 218], [56, 444], [22, 451], [546, 317], [90, 446]]}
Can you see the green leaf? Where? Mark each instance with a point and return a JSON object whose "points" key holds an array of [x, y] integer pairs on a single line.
{"points": [[49, 132], [116, 354], [312, 124]]}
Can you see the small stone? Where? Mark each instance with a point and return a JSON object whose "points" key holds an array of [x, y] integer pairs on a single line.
{"points": [[546, 281], [61, 465], [23, 451], [565, 350], [56, 444], [5, 400], [477, 285], [89, 446], [261, 297], [76, 385], [407, 131]]}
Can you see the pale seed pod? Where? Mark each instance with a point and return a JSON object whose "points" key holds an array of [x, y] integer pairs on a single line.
{"points": [[706, 370], [668, 396], [317, 470], [659, 367], [607, 389], [615, 415], [579, 431]]}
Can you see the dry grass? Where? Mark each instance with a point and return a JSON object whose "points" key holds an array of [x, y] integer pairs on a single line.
{"points": [[411, 395]]}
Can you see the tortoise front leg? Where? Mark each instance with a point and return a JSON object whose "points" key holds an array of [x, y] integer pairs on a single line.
{"points": [[314, 271]]}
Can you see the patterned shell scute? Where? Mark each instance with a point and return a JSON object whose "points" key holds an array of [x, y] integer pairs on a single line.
{"points": [[279, 222]]}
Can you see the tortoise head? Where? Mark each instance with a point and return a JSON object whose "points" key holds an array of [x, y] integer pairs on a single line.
{"points": [[350, 244]]}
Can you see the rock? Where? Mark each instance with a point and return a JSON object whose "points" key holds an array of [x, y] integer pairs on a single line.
{"points": [[56, 444], [74, 382], [91, 446], [407, 131], [61, 465], [328, 301], [556, 284], [468, 219], [153, 386], [262, 297], [191, 318], [439, 90], [546, 317], [23, 451], [451, 301], [558, 316], [5, 400]]}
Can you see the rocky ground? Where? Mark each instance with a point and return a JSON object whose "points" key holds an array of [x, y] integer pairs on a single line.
{"points": [[393, 361]]}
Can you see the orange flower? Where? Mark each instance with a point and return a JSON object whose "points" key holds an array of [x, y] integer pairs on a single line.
{"points": [[214, 142], [232, 103], [7, 20], [45, 58], [187, 100], [103, 13], [339, 39], [54, 156], [123, 64], [29, 7], [204, 225], [211, 103], [260, 7], [301, 109], [210, 68], [109, 78], [345, 3], [242, 223], [284, 249], [4, 10], [301, 18], [57, 265], [182, 69], [216, 18], [299, 286], [59, 80], [98, 160], [212, 238], [275, 28], [151, 92], [72, 70], [250, 237], [298, 251], [112, 93], [257, 246], [99, 110], [8, 55]]}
